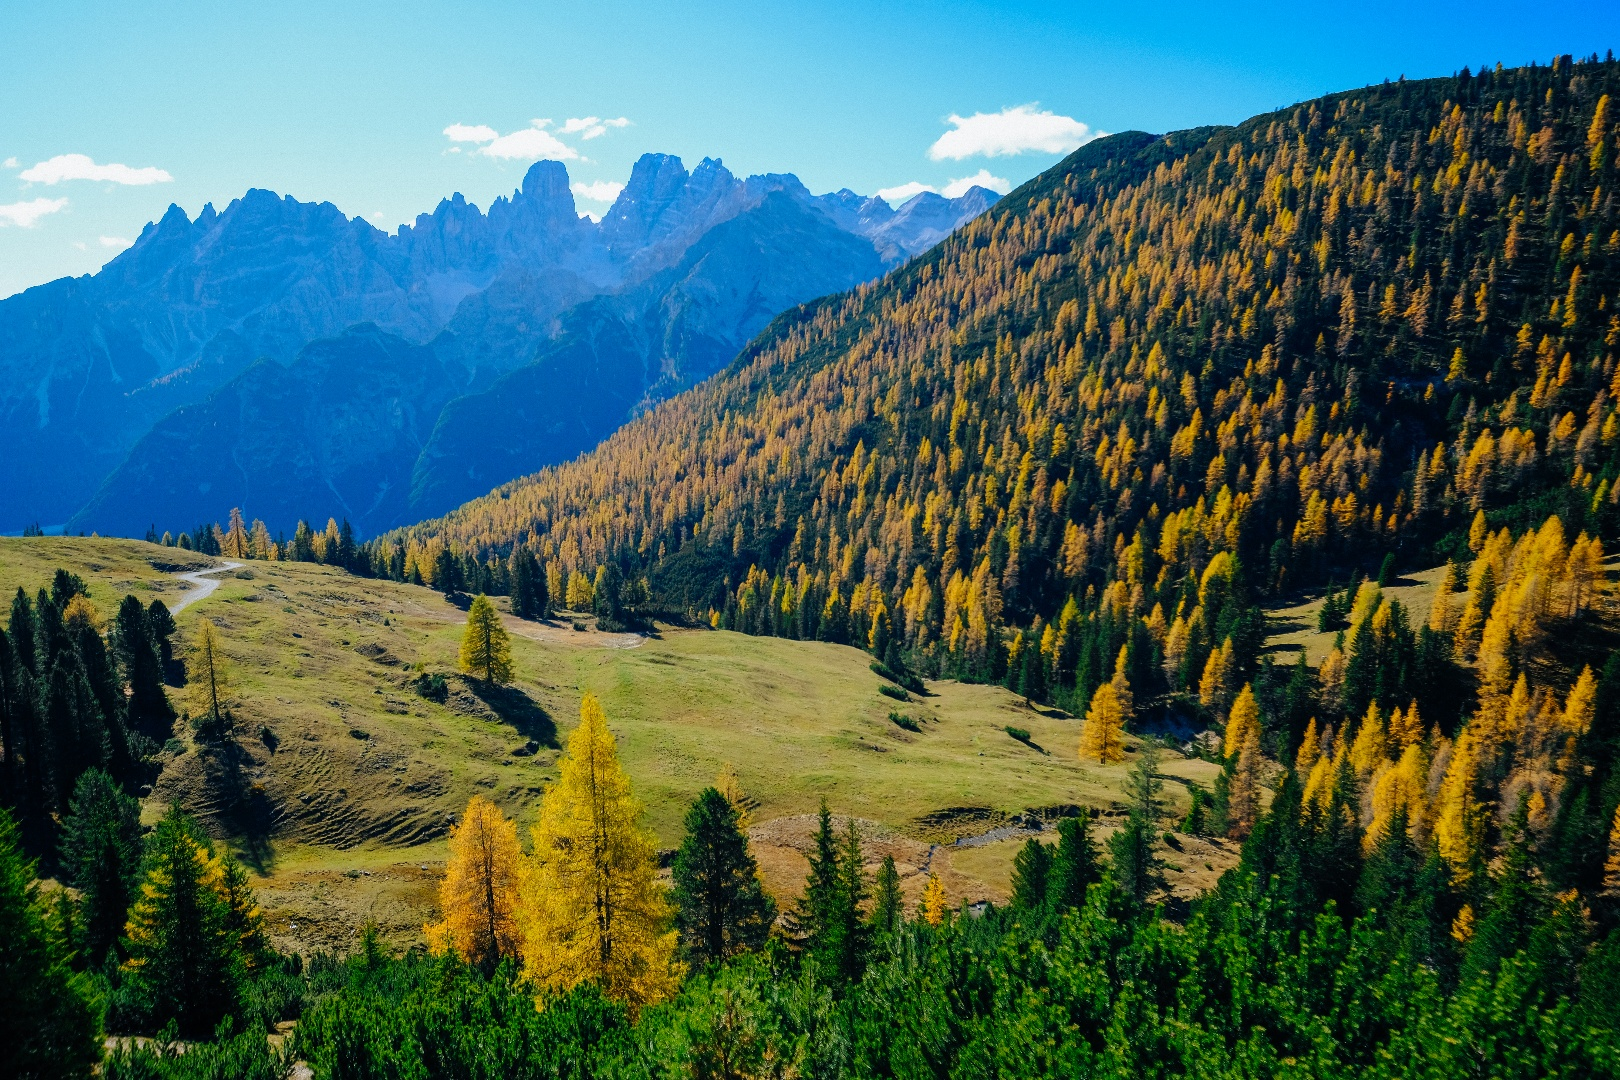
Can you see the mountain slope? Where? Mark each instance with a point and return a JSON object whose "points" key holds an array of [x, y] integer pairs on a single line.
{"points": [[1325, 335], [89, 365]]}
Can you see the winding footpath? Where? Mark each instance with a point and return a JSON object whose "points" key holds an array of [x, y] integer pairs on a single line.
{"points": [[201, 585]]}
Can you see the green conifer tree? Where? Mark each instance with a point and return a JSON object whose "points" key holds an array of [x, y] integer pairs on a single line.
{"points": [[721, 907]]}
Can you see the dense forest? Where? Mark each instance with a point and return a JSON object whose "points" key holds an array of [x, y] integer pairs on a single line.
{"points": [[1074, 449]]}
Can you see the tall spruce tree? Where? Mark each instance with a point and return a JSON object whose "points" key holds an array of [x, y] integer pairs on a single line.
{"points": [[185, 965], [829, 913], [1032, 873], [1075, 865], [101, 857], [47, 1024], [148, 706], [721, 907]]}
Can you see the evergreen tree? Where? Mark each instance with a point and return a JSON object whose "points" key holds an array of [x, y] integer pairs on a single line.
{"points": [[1135, 861], [147, 705], [829, 913], [101, 857], [886, 900], [721, 908], [486, 650], [47, 1025], [528, 585], [447, 572], [160, 622], [1075, 865], [1031, 879], [184, 965]]}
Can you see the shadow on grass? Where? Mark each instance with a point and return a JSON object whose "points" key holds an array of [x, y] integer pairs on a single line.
{"points": [[518, 709]]}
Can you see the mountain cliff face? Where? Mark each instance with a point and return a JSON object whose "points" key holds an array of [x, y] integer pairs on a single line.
{"points": [[89, 366], [691, 263]]}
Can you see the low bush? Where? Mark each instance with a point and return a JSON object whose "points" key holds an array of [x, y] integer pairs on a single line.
{"points": [[901, 720], [894, 691], [1021, 734]]}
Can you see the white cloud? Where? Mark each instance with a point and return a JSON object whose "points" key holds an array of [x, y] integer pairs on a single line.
{"points": [[894, 196], [115, 242], [601, 191], [10, 163], [957, 188], [26, 215], [81, 167], [580, 123], [529, 144], [473, 133], [1018, 129]]}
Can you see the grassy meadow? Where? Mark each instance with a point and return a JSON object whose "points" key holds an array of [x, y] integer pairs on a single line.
{"points": [[341, 779]]}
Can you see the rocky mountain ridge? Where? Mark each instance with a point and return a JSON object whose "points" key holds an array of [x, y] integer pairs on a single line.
{"points": [[89, 366]]}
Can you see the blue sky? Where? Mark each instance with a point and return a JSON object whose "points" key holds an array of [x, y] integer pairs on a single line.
{"points": [[198, 102]]}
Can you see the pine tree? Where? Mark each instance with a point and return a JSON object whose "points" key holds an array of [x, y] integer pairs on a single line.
{"points": [[829, 912], [183, 963], [721, 907], [447, 572], [47, 1024], [593, 909], [1075, 865], [160, 621], [486, 650], [1135, 862], [101, 857], [148, 706], [1032, 872], [528, 585], [480, 889], [886, 900]]}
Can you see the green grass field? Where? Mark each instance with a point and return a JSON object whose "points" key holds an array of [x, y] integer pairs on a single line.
{"points": [[340, 780]]}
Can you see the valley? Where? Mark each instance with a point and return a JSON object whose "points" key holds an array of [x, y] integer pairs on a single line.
{"points": [[340, 781]]}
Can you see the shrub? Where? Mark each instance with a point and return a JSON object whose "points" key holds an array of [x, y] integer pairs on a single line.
{"points": [[904, 678], [894, 691], [901, 720], [1021, 734], [432, 687]]}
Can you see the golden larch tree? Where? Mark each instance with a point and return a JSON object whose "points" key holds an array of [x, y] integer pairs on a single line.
{"points": [[933, 900], [480, 891], [1101, 737], [1459, 824], [593, 909], [486, 650], [1243, 800], [208, 672], [1611, 866], [1245, 714]]}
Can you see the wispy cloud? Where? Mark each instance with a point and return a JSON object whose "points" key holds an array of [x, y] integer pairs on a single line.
{"points": [[1018, 129], [25, 215], [604, 191], [534, 142], [10, 163], [115, 242], [81, 167], [901, 193], [473, 133]]}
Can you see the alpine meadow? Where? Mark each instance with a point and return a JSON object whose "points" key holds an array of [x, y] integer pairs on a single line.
{"points": [[1167, 627]]}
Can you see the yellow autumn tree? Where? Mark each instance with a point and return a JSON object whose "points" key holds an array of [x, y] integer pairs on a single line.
{"points": [[1245, 714], [1310, 751], [593, 909], [1101, 737], [727, 784], [208, 672], [580, 593], [933, 900], [1459, 824], [486, 650], [1611, 866], [1243, 800], [479, 893]]}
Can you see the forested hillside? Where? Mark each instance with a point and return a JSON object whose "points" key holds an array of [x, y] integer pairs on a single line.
{"points": [[1329, 334]]}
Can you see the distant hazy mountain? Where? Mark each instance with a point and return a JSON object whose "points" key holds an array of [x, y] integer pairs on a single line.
{"points": [[123, 395]]}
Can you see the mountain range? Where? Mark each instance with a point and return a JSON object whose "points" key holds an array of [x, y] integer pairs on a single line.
{"points": [[297, 362]]}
